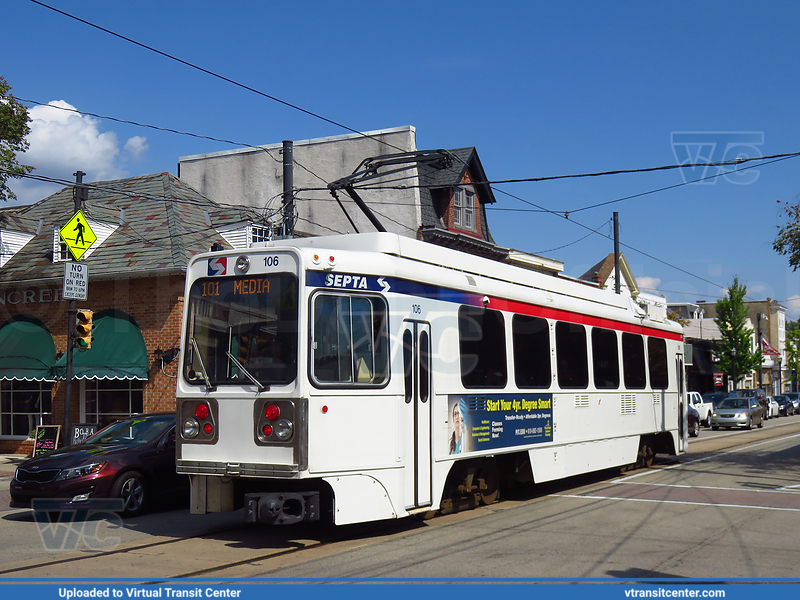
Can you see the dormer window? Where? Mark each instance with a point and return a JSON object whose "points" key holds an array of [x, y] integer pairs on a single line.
{"points": [[464, 208], [60, 251], [260, 233]]}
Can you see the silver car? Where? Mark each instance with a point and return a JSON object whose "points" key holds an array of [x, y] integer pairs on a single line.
{"points": [[737, 412]]}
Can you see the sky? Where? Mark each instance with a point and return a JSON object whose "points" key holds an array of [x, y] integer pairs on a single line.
{"points": [[540, 89]]}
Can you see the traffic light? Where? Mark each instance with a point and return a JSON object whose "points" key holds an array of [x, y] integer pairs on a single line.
{"points": [[83, 329]]}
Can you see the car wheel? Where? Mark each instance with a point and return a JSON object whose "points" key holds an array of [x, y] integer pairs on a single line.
{"points": [[749, 424], [131, 489], [760, 423]]}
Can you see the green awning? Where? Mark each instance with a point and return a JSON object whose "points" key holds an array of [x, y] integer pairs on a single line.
{"points": [[27, 351], [118, 351]]}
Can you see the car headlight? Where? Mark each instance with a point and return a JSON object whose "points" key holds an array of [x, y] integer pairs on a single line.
{"points": [[81, 471]]}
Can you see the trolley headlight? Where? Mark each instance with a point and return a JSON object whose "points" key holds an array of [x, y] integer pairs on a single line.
{"points": [[283, 429], [191, 428]]}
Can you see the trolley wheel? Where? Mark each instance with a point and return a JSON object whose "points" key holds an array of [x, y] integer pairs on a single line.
{"points": [[646, 456], [490, 482]]}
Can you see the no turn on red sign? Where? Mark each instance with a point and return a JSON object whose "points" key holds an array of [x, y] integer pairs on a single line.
{"points": [[76, 281]]}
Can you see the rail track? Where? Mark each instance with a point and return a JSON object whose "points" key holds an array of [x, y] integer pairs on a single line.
{"points": [[247, 551]]}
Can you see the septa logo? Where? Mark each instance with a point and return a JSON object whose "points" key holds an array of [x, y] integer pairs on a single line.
{"points": [[217, 266]]}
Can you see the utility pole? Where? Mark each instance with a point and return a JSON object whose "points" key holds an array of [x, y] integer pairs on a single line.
{"points": [[616, 253], [78, 192], [759, 347], [287, 229]]}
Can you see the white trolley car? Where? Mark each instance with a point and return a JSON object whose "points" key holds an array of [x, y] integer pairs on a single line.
{"points": [[372, 376]]}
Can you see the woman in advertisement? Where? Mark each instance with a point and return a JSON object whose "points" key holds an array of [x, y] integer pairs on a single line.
{"points": [[457, 438]]}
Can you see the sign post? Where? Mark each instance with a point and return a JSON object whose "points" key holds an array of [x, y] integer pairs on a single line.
{"points": [[78, 245]]}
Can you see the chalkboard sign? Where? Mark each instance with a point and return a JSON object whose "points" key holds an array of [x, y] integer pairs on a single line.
{"points": [[46, 439], [81, 431]]}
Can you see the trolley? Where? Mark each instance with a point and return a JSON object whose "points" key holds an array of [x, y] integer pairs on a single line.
{"points": [[372, 376]]}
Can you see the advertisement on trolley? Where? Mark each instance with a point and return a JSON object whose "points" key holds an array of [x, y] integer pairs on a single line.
{"points": [[490, 421]]}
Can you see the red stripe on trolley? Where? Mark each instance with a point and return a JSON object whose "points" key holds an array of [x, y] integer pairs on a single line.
{"points": [[555, 314]]}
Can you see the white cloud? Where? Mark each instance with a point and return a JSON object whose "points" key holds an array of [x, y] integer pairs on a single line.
{"points": [[792, 307], [65, 141], [136, 147], [648, 284]]}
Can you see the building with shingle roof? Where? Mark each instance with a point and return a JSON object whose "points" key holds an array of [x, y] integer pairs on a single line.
{"points": [[440, 197], [147, 229]]}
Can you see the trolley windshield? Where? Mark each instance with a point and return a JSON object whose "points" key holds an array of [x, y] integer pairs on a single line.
{"points": [[242, 331]]}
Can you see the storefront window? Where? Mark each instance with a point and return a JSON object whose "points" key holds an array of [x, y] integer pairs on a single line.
{"points": [[23, 406], [110, 399]]}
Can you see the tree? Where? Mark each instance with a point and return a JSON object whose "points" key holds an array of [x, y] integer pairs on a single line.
{"points": [[735, 354], [13, 129], [788, 240], [674, 316], [793, 354]]}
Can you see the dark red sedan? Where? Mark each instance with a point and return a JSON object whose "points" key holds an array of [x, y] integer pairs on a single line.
{"points": [[132, 459]]}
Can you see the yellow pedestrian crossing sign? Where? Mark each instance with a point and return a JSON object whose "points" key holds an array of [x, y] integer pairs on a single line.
{"points": [[77, 235]]}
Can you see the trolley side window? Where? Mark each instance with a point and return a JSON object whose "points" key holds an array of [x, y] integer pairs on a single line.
{"points": [[571, 352], [350, 340], [633, 361], [605, 358], [482, 341], [657, 361], [531, 351]]}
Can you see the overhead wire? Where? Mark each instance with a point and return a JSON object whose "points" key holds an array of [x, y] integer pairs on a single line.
{"points": [[216, 75], [736, 162], [330, 121]]}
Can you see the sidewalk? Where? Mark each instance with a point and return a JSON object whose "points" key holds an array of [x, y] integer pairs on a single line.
{"points": [[8, 464]]}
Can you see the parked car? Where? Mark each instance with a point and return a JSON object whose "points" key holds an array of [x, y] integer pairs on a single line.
{"points": [[715, 397], [757, 393], [132, 459], [737, 412], [795, 398], [774, 407], [694, 422], [703, 408], [786, 406]]}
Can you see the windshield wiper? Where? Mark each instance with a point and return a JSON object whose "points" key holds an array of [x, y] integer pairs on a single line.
{"points": [[261, 386], [209, 387]]}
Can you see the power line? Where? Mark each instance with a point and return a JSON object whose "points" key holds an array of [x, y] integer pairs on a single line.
{"points": [[145, 125], [217, 75]]}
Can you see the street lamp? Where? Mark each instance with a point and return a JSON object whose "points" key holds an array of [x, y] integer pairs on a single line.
{"points": [[733, 355]]}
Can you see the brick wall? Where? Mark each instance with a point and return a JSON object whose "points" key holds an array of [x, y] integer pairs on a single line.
{"points": [[155, 303]]}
